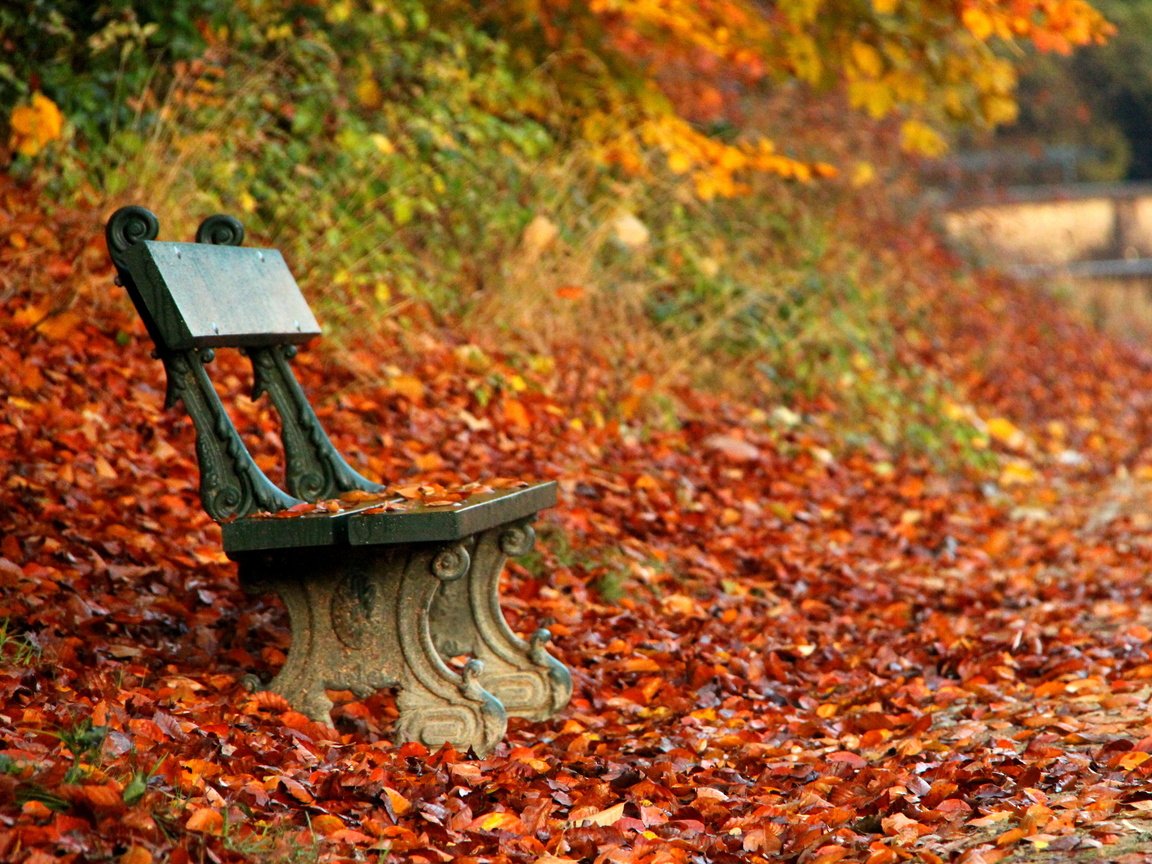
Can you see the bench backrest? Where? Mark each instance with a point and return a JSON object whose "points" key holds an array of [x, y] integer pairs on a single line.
{"points": [[195, 297], [204, 296]]}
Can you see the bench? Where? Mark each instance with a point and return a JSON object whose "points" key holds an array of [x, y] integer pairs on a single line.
{"points": [[382, 590]]}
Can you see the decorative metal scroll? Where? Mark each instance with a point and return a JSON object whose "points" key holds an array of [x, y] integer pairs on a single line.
{"points": [[314, 467], [231, 484]]}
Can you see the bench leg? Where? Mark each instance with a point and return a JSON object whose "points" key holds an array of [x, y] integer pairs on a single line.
{"points": [[466, 619], [361, 623]]}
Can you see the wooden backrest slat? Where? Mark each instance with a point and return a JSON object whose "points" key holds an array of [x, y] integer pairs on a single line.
{"points": [[203, 296]]}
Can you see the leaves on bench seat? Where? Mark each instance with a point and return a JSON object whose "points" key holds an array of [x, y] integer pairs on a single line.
{"points": [[396, 498]]}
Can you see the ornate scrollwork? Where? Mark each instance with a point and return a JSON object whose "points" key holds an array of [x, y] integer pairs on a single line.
{"points": [[127, 227], [221, 230], [451, 563], [351, 608], [316, 470], [231, 484], [518, 540]]}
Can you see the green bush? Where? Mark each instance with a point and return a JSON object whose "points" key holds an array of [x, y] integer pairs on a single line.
{"points": [[98, 63]]}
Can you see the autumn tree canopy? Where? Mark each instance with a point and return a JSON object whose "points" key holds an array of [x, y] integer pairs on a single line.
{"points": [[666, 75], [664, 78]]}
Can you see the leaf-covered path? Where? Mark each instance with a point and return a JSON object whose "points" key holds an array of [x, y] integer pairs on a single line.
{"points": [[780, 653]]}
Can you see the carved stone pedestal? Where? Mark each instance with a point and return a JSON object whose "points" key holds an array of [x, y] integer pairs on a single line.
{"points": [[466, 619], [375, 617]]}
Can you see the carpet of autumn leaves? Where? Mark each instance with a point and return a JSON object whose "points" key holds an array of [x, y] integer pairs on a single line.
{"points": [[783, 649]]}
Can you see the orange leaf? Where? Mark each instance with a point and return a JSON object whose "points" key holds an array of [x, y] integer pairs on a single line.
{"points": [[271, 701], [570, 292], [206, 821], [516, 414], [499, 821], [136, 855], [106, 796], [297, 790], [400, 804], [326, 824], [1133, 759]]}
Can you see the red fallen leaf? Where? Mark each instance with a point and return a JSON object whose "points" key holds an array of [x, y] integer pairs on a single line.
{"points": [[830, 854], [351, 836], [953, 806], [59, 269], [303, 723], [413, 750], [849, 758], [270, 701], [109, 796], [507, 483], [881, 854], [296, 789]]}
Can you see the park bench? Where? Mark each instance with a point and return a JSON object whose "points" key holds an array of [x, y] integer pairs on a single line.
{"points": [[382, 590]]}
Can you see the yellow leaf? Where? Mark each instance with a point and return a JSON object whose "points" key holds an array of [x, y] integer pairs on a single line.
{"points": [[679, 162], [1018, 472], [918, 137], [867, 60], [978, 22], [36, 125], [1005, 431], [59, 327], [408, 386], [999, 110], [805, 58], [368, 93], [501, 820], [875, 97], [863, 174]]}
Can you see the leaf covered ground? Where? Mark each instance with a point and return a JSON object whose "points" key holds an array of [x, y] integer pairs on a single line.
{"points": [[784, 649]]}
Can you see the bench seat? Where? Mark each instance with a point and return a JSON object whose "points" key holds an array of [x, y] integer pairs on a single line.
{"points": [[390, 520]]}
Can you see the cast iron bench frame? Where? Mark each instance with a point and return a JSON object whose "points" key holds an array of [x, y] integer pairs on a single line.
{"points": [[378, 595]]}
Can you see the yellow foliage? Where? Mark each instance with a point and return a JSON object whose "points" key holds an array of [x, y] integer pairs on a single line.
{"points": [[874, 97], [999, 109], [804, 56], [919, 137], [368, 93], [1018, 472], [35, 126], [866, 60], [1006, 432], [932, 61]]}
